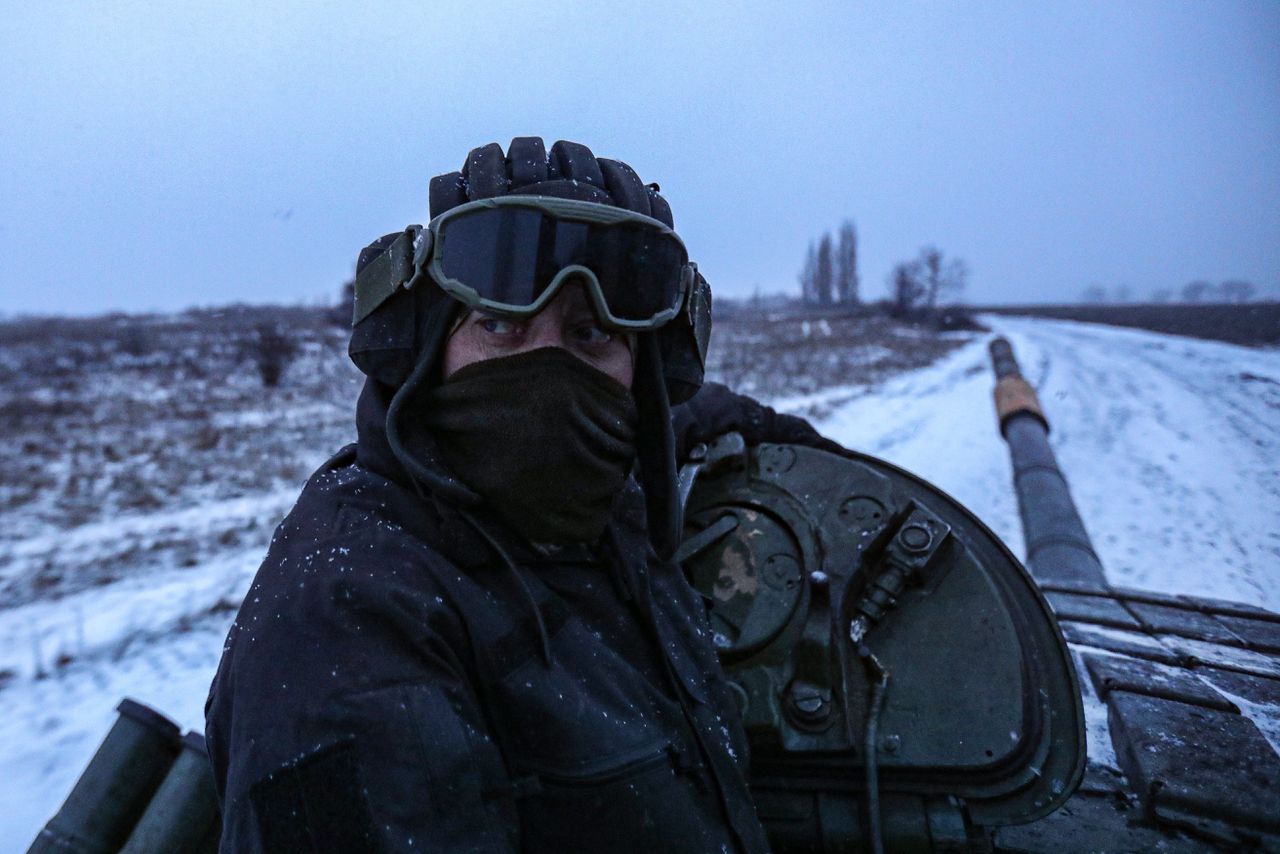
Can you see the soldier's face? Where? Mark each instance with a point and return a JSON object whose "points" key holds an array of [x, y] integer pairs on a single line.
{"points": [[568, 321]]}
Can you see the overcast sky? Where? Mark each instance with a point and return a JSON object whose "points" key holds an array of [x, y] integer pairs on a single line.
{"points": [[162, 155]]}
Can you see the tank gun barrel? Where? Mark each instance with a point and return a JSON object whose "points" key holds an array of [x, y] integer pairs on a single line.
{"points": [[1059, 551]]}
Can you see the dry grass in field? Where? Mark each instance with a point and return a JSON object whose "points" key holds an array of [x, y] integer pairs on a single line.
{"points": [[119, 429], [776, 357]]}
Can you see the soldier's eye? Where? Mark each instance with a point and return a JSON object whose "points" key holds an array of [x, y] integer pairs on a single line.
{"points": [[591, 333], [498, 326]]}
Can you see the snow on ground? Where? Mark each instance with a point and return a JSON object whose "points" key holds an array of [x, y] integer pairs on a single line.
{"points": [[1170, 445]]}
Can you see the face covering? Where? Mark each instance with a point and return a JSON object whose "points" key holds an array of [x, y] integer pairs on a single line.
{"points": [[544, 438]]}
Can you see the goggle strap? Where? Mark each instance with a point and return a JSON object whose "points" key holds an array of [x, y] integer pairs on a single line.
{"points": [[383, 276]]}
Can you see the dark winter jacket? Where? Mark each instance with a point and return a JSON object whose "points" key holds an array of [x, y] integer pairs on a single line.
{"points": [[406, 676]]}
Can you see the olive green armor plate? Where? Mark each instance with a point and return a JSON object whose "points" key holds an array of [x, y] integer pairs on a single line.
{"points": [[821, 572]]}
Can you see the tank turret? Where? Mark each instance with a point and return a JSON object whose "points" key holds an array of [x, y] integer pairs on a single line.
{"points": [[902, 682]]}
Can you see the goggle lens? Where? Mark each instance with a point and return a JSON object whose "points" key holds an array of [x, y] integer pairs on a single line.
{"points": [[511, 255]]}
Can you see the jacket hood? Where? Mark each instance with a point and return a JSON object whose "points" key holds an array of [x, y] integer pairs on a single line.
{"points": [[373, 451]]}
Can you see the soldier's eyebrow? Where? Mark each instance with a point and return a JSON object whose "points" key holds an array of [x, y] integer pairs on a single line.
{"points": [[458, 321]]}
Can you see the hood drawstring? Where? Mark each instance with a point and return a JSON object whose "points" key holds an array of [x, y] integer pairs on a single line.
{"points": [[656, 449], [524, 586], [436, 481]]}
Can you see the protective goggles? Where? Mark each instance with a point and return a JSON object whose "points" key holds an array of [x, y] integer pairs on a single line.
{"points": [[510, 256]]}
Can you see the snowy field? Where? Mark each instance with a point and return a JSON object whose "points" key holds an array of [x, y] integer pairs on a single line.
{"points": [[1170, 445]]}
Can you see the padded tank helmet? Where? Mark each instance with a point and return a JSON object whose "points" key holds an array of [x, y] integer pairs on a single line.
{"points": [[402, 315], [390, 323]]}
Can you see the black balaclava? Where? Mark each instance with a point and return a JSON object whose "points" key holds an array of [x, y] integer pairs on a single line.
{"points": [[544, 438]]}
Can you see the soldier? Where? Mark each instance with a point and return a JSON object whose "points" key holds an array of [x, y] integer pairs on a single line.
{"points": [[469, 634]]}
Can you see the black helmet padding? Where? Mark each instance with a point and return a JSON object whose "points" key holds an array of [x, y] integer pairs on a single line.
{"points": [[447, 191], [568, 171], [485, 173], [573, 161], [625, 186], [527, 160]]}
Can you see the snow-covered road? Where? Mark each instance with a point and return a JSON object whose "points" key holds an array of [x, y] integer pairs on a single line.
{"points": [[1171, 446]]}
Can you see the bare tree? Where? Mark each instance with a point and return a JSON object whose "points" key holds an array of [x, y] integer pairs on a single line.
{"points": [[272, 351], [824, 279], [809, 276], [1237, 290], [135, 340], [906, 287], [1162, 295], [1195, 291], [1094, 294], [941, 278], [846, 263]]}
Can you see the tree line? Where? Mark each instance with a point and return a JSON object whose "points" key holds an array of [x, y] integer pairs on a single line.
{"points": [[1197, 291]]}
